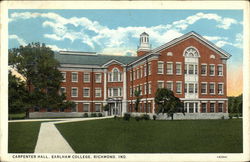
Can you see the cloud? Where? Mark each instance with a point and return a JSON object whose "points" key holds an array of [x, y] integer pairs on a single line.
{"points": [[238, 42], [120, 37], [56, 48], [19, 40]]}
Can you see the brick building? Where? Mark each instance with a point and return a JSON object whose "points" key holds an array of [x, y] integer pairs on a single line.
{"points": [[191, 66]]}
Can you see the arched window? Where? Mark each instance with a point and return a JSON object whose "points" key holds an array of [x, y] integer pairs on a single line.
{"points": [[191, 52], [115, 75]]}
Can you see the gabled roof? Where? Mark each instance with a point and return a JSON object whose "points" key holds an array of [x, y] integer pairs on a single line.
{"points": [[190, 34], [95, 59], [144, 33]]}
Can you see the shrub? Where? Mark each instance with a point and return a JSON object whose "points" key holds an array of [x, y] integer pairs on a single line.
{"points": [[137, 118], [230, 116], [223, 117], [146, 117], [154, 117], [115, 117], [93, 115], [85, 115], [126, 116], [99, 114]]}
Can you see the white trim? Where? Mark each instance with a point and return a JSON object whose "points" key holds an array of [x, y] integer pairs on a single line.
{"points": [[100, 78], [86, 73], [172, 68], [178, 63], [98, 88], [100, 107], [160, 81], [208, 99], [193, 48], [205, 70], [222, 88], [172, 85], [76, 91], [113, 60], [214, 88], [77, 53], [162, 63], [210, 69], [176, 87], [201, 87], [88, 107], [221, 65]]}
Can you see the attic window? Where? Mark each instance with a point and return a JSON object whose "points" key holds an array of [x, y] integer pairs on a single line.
{"points": [[212, 56], [170, 54], [191, 52]]}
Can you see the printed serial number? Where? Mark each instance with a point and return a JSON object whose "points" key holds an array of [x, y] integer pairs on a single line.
{"points": [[221, 156]]}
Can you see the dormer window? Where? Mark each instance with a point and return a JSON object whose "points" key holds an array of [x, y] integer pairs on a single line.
{"points": [[115, 76]]}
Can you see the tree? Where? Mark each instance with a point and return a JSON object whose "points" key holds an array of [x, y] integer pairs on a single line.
{"points": [[235, 104], [138, 99], [17, 94], [167, 102], [37, 64]]}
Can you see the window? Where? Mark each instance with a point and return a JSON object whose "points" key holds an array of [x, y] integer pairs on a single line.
{"points": [[140, 89], [149, 69], [220, 89], [191, 52], [212, 106], [220, 70], [145, 88], [97, 107], [203, 88], [185, 107], [191, 88], [185, 70], [64, 76], [169, 68], [191, 107], [178, 68], [203, 70], [195, 88], [220, 107], [195, 69], [98, 78], [145, 70], [115, 92], [98, 92], [211, 71], [75, 108], [178, 87], [137, 73], [130, 78], [160, 84], [211, 88], [86, 92], [203, 107], [116, 76], [185, 88], [86, 107], [62, 90], [86, 77], [74, 77], [74, 92], [160, 67], [170, 85], [191, 69], [134, 76], [149, 88], [141, 71]]}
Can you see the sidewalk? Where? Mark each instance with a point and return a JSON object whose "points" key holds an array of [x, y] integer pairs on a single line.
{"points": [[50, 139]]}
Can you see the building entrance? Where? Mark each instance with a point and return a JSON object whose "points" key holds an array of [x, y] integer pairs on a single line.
{"points": [[115, 107]]}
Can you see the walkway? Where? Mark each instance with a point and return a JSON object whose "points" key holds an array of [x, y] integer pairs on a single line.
{"points": [[50, 139]]}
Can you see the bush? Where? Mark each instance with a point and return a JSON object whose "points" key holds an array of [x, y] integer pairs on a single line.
{"points": [[115, 117], [93, 115], [154, 117], [146, 117], [223, 117], [126, 116], [85, 115], [99, 114], [230, 116], [137, 118]]}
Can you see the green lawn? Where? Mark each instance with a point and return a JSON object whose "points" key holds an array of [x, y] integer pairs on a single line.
{"points": [[23, 136], [17, 116], [189, 136]]}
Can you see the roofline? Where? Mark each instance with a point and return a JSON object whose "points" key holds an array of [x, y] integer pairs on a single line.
{"points": [[142, 58], [112, 61], [192, 33], [77, 53]]}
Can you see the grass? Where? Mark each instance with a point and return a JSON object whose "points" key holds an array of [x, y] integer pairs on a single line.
{"points": [[23, 136], [17, 116], [119, 136]]}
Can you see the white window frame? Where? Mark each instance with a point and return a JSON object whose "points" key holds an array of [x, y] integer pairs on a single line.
{"points": [[99, 105], [169, 71], [201, 87], [189, 88], [222, 106], [88, 74], [149, 68], [141, 71], [210, 70], [72, 91], [98, 81], [162, 67], [64, 90], [137, 73], [145, 88], [100, 89], [149, 88], [172, 85], [76, 77], [88, 93], [131, 73], [64, 74], [145, 69], [160, 81], [88, 107], [201, 107], [220, 65], [210, 107], [222, 93], [179, 82], [205, 70], [210, 88], [178, 63]]}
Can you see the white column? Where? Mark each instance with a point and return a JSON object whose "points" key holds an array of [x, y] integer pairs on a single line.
{"points": [[199, 107], [124, 101], [153, 106], [188, 107]]}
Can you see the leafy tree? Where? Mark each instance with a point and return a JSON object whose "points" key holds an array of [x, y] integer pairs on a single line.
{"points": [[235, 104], [17, 94], [167, 102], [37, 64], [138, 99]]}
